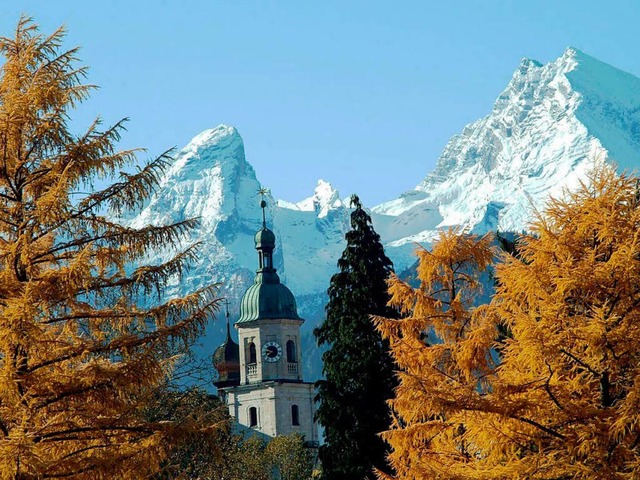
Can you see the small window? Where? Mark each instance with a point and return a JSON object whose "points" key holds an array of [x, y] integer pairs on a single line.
{"points": [[252, 353], [253, 417], [292, 357], [295, 415]]}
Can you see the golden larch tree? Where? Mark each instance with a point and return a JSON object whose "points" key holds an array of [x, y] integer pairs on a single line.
{"points": [[569, 383], [442, 347], [558, 396], [78, 354]]}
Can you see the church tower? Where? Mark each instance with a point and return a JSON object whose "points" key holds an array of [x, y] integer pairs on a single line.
{"points": [[271, 397]]}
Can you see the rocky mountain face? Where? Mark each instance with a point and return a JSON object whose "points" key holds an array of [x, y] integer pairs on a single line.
{"points": [[211, 180], [545, 131], [547, 128]]}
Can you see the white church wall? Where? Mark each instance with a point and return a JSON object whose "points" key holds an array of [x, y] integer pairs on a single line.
{"points": [[273, 401]]}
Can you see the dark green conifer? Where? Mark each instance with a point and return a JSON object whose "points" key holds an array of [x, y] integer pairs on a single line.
{"points": [[358, 369]]}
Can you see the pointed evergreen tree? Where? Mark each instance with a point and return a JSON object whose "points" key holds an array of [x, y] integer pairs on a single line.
{"points": [[358, 369]]}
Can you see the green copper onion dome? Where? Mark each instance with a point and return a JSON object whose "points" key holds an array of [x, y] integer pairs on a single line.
{"points": [[265, 238], [267, 298]]}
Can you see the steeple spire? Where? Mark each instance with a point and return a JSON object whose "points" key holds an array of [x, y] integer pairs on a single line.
{"points": [[263, 205], [265, 243], [267, 297], [226, 304]]}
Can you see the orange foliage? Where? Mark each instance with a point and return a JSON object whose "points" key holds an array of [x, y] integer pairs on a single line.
{"points": [[563, 400], [78, 357], [442, 348]]}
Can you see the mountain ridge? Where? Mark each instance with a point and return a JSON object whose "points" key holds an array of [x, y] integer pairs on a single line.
{"points": [[549, 126], [534, 143]]}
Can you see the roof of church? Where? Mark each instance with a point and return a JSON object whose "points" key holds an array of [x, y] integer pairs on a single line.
{"points": [[226, 360], [267, 298], [265, 238]]}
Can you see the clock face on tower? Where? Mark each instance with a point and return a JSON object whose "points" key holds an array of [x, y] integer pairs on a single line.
{"points": [[271, 351]]}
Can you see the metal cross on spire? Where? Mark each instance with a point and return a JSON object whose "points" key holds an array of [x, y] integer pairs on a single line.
{"points": [[263, 204]]}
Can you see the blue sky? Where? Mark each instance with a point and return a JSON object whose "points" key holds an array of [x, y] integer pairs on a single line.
{"points": [[364, 94]]}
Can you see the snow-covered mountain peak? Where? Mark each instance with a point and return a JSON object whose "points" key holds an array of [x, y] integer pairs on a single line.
{"points": [[324, 199], [213, 136], [574, 73], [568, 60], [526, 65], [209, 179], [216, 150], [546, 129]]}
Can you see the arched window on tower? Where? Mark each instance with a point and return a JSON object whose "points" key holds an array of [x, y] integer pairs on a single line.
{"points": [[295, 415], [292, 356], [253, 417], [253, 358]]}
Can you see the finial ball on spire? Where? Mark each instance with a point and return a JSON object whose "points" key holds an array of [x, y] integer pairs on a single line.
{"points": [[265, 239], [263, 204]]}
